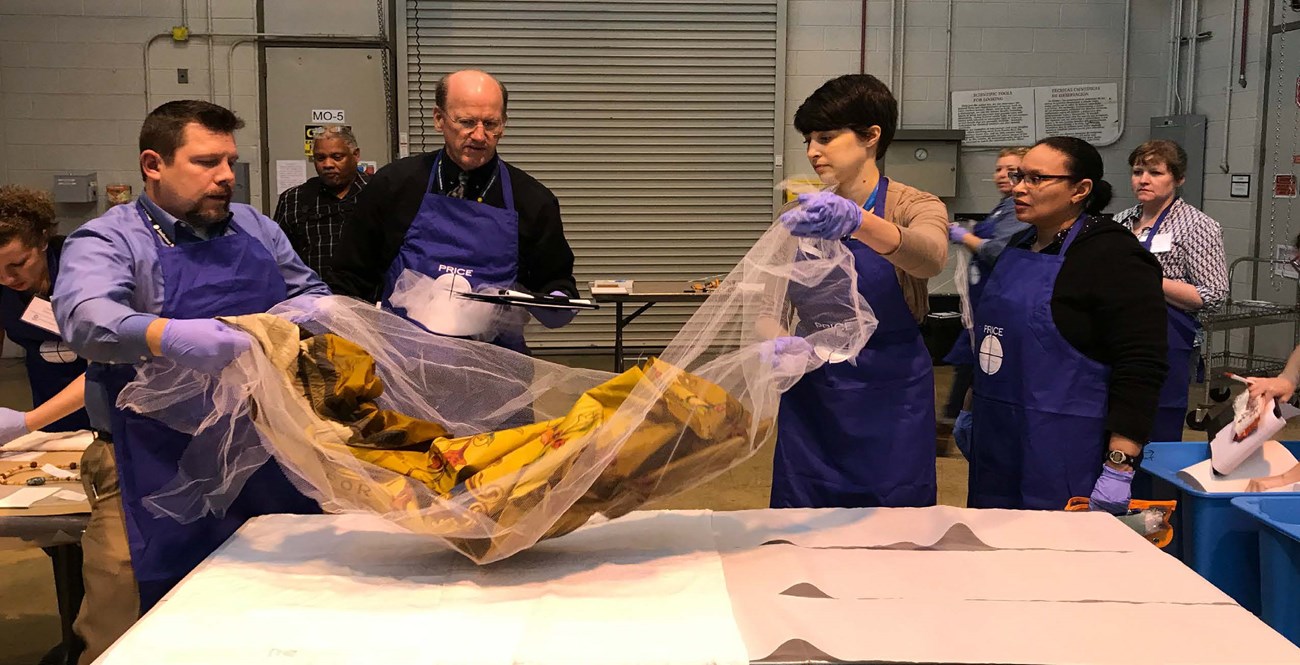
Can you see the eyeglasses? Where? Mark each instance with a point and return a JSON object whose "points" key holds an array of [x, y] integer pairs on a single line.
{"points": [[468, 125], [1035, 179]]}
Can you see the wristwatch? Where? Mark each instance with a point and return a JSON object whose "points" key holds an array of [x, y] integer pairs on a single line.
{"points": [[1119, 458]]}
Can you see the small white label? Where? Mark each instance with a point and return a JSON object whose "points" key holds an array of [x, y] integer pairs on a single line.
{"points": [[62, 474], [327, 115], [1163, 242], [1240, 187], [41, 314]]}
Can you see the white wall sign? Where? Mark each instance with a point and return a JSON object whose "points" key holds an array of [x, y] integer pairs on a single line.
{"points": [[1020, 116], [325, 115]]}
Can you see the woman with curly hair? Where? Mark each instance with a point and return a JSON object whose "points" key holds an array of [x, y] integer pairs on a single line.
{"points": [[29, 265]]}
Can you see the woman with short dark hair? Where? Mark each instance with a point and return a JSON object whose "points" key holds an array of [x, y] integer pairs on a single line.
{"points": [[862, 433], [1189, 246], [1070, 345]]}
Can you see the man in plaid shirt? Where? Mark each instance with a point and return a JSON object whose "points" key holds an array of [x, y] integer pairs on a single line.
{"points": [[312, 213]]}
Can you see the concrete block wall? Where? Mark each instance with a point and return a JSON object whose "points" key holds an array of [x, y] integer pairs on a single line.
{"points": [[72, 85], [994, 45]]}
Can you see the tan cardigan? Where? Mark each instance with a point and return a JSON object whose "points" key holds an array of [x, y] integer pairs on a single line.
{"points": [[922, 220]]}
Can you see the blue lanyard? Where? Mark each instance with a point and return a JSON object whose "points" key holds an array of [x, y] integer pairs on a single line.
{"points": [[1155, 228], [876, 202], [156, 228]]}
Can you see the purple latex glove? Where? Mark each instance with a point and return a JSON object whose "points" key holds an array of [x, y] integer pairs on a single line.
{"points": [[823, 215], [956, 232], [13, 424], [775, 352], [204, 345], [552, 317], [1112, 491]]}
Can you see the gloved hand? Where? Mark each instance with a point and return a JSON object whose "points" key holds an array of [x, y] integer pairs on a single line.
{"points": [[822, 215], [204, 345], [552, 317], [298, 310], [1112, 491], [956, 232], [13, 424], [791, 349]]}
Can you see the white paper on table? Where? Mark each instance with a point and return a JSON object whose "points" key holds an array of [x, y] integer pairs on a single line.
{"points": [[76, 441], [1226, 453], [1001, 575], [947, 631], [289, 173], [70, 495], [941, 527], [61, 474], [24, 497], [1271, 459], [647, 588]]}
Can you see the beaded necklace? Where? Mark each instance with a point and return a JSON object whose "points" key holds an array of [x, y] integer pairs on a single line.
{"points": [[33, 467]]}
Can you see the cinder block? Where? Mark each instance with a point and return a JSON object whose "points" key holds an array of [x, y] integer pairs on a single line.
{"points": [[42, 8], [29, 80], [823, 12], [805, 38], [88, 55], [967, 39], [824, 62], [1008, 40], [120, 30], [1091, 15], [927, 14], [241, 9], [129, 8], [843, 38], [28, 28], [101, 81], [16, 106], [980, 14], [1031, 14]]}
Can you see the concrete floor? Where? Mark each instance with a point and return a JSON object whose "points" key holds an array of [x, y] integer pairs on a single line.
{"points": [[29, 616]]}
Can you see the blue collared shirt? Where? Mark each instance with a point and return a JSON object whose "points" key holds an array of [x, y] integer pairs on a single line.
{"points": [[110, 284]]}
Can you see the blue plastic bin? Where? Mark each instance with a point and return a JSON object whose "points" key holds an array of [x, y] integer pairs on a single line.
{"points": [[1278, 518], [1212, 537]]}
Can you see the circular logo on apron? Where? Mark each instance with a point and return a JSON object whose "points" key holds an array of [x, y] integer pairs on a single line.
{"points": [[974, 274], [57, 353], [990, 355]]}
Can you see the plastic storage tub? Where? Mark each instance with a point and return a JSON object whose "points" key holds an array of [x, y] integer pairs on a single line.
{"points": [[1278, 518], [1211, 536]]}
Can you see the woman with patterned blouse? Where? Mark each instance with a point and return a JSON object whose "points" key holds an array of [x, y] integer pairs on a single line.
{"points": [[1189, 246]]}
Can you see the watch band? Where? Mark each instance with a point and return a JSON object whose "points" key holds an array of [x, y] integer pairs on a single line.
{"points": [[1121, 457]]}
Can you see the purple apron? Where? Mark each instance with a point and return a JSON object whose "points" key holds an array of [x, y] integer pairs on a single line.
{"points": [[861, 436], [1040, 405], [1181, 332], [231, 275], [464, 237]]}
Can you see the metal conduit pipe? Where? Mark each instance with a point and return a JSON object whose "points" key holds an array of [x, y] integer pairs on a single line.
{"points": [[1123, 75], [1193, 40], [947, 72], [1172, 103], [1227, 90], [902, 50]]}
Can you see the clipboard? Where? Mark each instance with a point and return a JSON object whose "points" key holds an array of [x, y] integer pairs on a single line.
{"points": [[510, 297]]}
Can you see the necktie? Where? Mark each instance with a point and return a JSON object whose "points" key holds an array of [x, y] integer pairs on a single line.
{"points": [[458, 190]]}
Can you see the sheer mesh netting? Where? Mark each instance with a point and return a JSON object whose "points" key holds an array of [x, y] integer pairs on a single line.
{"points": [[487, 449]]}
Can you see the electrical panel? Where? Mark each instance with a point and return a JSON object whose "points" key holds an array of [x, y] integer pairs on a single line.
{"points": [[925, 159], [76, 188]]}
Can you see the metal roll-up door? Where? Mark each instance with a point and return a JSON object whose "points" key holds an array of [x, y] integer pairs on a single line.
{"points": [[654, 122]]}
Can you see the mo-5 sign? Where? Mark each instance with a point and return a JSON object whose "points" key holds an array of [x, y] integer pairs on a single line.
{"points": [[325, 115]]}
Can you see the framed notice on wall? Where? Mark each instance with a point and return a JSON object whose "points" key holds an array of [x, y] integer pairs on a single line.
{"points": [[1021, 116]]}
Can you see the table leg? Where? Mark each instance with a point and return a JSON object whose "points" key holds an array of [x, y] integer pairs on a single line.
{"points": [[68, 588], [618, 337]]}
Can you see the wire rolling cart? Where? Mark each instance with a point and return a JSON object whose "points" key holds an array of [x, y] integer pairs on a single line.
{"points": [[1238, 315]]}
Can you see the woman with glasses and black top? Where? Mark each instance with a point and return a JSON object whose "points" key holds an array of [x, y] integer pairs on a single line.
{"points": [[1070, 345]]}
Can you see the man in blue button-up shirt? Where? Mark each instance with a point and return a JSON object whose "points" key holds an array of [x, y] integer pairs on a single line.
{"points": [[146, 281]]}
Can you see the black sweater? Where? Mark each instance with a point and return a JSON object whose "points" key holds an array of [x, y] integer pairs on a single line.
{"points": [[385, 208], [1108, 302]]}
